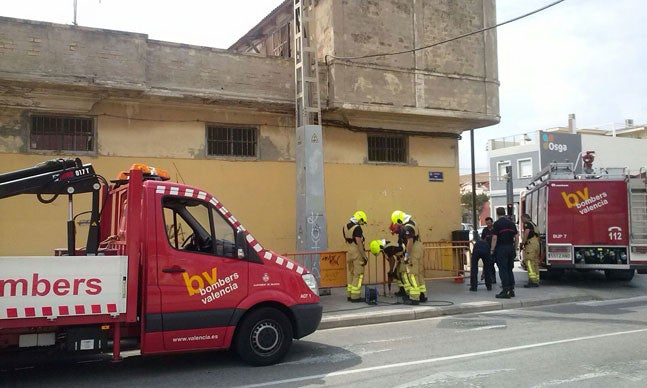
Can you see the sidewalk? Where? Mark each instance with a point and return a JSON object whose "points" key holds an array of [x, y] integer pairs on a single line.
{"points": [[449, 298]]}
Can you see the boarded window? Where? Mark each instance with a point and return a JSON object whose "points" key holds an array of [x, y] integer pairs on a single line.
{"points": [[231, 141], [61, 133], [387, 148], [280, 42]]}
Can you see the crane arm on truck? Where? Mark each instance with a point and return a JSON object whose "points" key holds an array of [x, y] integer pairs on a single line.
{"points": [[54, 177]]}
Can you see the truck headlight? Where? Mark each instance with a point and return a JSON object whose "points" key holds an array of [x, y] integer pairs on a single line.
{"points": [[311, 282]]}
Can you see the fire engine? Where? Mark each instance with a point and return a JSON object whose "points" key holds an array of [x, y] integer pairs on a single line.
{"points": [[166, 266], [596, 220]]}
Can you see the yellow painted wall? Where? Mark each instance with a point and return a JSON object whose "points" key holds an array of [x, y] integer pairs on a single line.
{"points": [[261, 193], [378, 190]]}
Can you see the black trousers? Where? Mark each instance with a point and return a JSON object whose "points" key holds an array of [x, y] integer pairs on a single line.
{"points": [[504, 258], [483, 254]]}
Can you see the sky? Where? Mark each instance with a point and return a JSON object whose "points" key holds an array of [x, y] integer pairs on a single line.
{"points": [[582, 57]]}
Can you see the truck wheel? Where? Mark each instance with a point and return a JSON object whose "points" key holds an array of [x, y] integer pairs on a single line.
{"points": [[264, 337], [619, 274]]}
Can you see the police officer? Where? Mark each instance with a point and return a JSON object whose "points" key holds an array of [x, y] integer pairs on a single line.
{"points": [[504, 241], [355, 256], [413, 272], [393, 253], [530, 247]]}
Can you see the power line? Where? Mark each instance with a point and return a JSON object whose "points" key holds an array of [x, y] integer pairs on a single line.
{"points": [[451, 39]]}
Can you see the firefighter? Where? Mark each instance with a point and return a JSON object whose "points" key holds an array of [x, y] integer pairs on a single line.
{"points": [[413, 271], [356, 255], [503, 249], [530, 247], [393, 253]]}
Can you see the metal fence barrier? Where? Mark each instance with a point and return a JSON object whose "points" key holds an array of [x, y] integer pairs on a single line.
{"points": [[441, 260]]}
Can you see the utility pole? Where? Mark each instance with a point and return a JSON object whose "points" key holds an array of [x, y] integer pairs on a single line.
{"points": [[310, 198], [475, 222]]}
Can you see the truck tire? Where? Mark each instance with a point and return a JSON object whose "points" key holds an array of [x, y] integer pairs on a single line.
{"points": [[264, 337], [619, 274]]}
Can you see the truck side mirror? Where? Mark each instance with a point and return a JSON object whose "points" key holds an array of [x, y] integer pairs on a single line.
{"points": [[245, 251], [241, 244]]}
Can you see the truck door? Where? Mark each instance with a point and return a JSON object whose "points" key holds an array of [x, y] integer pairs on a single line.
{"points": [[201, 279]]}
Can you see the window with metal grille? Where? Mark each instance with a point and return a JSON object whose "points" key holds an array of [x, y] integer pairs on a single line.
{"points": [[61, 133], [387, 148], [231, 141]]}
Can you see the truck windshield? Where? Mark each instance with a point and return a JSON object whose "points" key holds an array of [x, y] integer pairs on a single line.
{"points": [[193, 225]]}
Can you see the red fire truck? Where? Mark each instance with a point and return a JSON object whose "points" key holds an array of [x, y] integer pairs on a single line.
{"points": [[591, 221], [166, 266]]}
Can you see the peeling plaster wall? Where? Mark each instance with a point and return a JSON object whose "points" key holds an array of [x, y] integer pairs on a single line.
{"points": [[71, 53], [214, 72], [152, 100], [131, 63], [452, 79]]}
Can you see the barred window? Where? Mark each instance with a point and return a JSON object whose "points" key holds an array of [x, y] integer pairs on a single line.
{"points": [[387, 148], [61, 133], [231, 141]]}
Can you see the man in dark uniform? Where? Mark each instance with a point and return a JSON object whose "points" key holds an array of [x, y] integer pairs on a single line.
{"points": [[486, 234], [480, 250], [504, 241]]}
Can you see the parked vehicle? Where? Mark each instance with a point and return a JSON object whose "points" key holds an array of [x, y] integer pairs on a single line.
{"points": [[591, 221], [166, 266]]}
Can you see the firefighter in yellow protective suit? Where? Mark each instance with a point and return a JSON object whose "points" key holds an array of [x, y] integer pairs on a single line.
{"points": [[356, 255], [530, 247], [413, 271], [393, 253]]}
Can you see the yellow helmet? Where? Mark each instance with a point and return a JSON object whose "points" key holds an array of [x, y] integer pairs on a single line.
{"points": [[376, 247], [360, 216], [397, 217]]}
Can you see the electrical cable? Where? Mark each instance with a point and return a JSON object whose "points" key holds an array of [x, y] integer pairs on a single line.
{"points": [[447, 40]]}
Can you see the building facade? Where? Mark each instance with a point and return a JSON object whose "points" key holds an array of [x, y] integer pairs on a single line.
{"points": [[223, 120]]}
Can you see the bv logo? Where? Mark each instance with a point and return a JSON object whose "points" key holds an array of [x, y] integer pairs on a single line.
{"points": [[572, 199], [199, 280]]}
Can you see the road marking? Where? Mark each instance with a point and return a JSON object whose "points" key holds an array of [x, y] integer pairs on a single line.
{"points": [[445, 358], [483, 328], [582, 377]]}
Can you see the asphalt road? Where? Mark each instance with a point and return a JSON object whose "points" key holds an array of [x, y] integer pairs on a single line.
{"points": [[584, 344]]}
